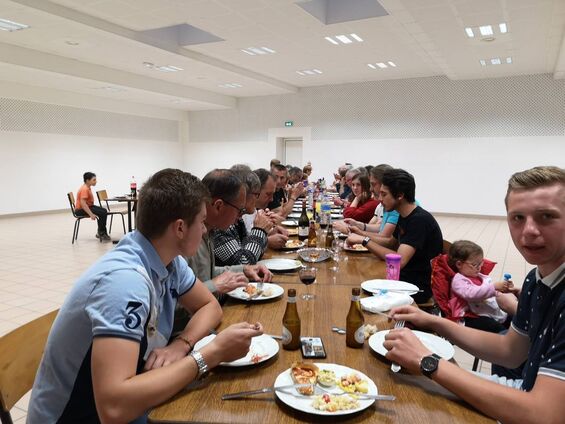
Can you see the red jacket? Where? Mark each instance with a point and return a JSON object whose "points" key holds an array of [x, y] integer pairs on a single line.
{"points": [[363, 213]]}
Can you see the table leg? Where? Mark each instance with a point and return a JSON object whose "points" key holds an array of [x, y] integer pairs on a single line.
{"points": [[129, 217]]}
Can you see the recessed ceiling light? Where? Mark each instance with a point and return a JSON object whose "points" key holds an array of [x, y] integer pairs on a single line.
{"points": [[162, 68], [392, 64], [6, 25], [483, 62], [110, 88], [503, 28], [495, 61], [253, 51], [306, 72], [344, 39], [469, 32], [509, 60], [486, 30], [231, 85], [382, 65], [370, 65]]}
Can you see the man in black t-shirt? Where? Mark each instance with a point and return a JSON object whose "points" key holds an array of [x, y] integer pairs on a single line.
{"points": [[417, 237]]}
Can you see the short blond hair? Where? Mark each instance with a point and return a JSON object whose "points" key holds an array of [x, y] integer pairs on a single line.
{"points": [[539, 176]]}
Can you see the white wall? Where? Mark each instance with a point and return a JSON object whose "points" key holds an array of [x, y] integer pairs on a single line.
{"points": [[39, 169], [460, 139], [48, 139]]}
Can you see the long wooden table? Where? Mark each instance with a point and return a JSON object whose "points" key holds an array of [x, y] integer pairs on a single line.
{"points": [[418, 398]]}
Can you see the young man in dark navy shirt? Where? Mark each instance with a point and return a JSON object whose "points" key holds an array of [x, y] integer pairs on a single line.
{"points": [[417, 237], [535, 204]]}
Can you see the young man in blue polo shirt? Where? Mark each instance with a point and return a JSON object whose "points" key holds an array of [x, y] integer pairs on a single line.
{"points": [[535, 204], [107, 358]]}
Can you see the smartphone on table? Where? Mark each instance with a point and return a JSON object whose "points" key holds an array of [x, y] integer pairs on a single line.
{"points": [[312, 347]]}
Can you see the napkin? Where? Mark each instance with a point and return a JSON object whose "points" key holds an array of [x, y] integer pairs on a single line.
{"points": [[385, 301]]}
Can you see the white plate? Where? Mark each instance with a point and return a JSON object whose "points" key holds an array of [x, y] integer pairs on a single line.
{"points": [[275, 289], [281, 264], [385, 302], [297, 244], [290, 223], [352, 249], [294, 215], [436, 344], [336, 216], [304, 403], [261, 345], [375, 286]]}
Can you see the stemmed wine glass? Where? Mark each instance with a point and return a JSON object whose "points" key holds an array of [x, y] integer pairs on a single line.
{"points": [[337, 245], [307, 275]]}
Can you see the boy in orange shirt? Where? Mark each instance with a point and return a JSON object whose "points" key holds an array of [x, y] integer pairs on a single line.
{"points": [[85, 206]]}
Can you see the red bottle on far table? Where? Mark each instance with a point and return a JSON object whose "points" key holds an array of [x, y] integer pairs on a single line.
{"points": [[133, 187]]}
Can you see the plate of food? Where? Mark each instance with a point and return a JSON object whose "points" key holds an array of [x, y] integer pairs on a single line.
{"points": [[355, 248], [290, 223], [383, 286], [250, 292], [293, 244], [314, 254], [281, 264], [338, 389], [436, 344], [262, 349]]}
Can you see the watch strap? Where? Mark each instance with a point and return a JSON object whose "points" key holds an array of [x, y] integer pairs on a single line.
{"points": [[200, 363], [366, 241]]}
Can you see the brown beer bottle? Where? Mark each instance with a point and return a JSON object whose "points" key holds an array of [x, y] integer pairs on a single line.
{"points": [[330, 236], [354, 336], [303, 223], [291, 323], [312, 236]]}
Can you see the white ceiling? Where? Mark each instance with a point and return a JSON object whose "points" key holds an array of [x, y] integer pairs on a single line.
{"points": [[423, 37]]}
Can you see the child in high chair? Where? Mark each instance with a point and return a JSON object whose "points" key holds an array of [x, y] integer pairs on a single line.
{"points": [[474, 292]]}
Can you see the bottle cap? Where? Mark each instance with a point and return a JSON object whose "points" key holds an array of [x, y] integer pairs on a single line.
{"points": [[291, 292], [507, 276], [356, 291], [393, 257]]}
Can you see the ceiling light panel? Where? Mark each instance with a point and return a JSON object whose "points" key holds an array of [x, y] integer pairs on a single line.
{"points": [[309, 72], [6, 25], [230, 85], [254, 51], [486, 30], [344, 39], [382, 65]]}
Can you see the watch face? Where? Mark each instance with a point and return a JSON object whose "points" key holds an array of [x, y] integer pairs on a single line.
{"points": [[429, 364]]}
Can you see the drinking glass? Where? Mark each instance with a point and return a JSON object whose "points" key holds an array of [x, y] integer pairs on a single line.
{"points": [[337, 245], [307, 275]]}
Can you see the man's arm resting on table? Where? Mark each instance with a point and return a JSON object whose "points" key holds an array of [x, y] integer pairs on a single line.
{"points": [[543, 404], [120, 394]]}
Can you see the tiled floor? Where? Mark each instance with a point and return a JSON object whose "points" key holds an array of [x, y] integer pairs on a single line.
{"points": [[38, 264]]}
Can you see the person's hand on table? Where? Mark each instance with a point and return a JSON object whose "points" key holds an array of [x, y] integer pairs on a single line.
{"points": [[263, 221], [341, 226], [277, 241], [413, 315], [228, 281], [258, 272], [354, 239], [355, 230], [233, 342], [405, 349], [164, 356], [353, 223], [280, 230]]}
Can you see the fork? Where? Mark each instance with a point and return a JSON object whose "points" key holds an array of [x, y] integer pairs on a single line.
{"points": [[362, 396], [395, 367]]}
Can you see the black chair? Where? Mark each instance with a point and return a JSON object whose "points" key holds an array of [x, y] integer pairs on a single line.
{"points": [[103, 197], [78, 218]]}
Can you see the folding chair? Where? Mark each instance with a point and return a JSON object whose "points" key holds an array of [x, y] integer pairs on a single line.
{"points": [[20, 354], [78, 218], [103, 197]]}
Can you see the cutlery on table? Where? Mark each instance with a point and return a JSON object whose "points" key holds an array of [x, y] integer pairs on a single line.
{"points": [[395, 367], [339, 330], [262, 390]]}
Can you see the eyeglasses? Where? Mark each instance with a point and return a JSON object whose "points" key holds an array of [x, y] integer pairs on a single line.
{"points": [[476, 266], [241, 211]]}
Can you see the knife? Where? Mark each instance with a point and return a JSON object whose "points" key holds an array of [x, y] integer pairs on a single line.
{"points": [[362, 396], [263, 390]]}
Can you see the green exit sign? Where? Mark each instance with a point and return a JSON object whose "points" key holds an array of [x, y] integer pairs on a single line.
{"points": [[288, 123]]}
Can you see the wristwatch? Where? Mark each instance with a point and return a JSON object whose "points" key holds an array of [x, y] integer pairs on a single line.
{"points": [[200, 363], [429, 364], [366, 241]]}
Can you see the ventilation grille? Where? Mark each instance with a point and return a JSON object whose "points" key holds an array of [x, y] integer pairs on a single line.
{"points": [[432, 107], [27, 116]]}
